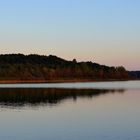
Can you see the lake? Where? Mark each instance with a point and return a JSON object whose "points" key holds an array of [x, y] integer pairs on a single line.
{"points": [[70, 111]]}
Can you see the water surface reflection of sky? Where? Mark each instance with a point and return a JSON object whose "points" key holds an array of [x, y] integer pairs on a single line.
{"points": [[76, 114]]}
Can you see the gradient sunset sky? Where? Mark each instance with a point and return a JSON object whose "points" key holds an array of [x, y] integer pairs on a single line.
{"points": [[102, 31]]}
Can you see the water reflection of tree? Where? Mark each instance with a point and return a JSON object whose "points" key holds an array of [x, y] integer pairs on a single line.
{"points": [[36, 96]]}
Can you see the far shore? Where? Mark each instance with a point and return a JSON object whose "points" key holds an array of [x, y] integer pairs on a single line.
{"points": [[59, 81]]}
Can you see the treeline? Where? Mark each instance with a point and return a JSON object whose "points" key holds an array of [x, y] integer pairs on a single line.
{"points": [[135, 74], [40, 67]]}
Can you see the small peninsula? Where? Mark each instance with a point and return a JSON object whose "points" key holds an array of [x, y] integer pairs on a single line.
{"points": [[33, 68]]}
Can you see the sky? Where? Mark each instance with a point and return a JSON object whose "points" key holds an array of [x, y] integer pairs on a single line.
{"points": [[102, 31]]}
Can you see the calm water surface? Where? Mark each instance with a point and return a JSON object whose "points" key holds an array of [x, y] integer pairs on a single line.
{"points": [[72, 111], [86, 85]]}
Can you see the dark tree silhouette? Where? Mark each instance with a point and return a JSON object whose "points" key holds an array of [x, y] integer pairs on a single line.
{"points": [[41, 67]]}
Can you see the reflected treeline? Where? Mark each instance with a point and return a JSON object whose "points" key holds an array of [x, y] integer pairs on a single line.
{"points": [[37, 96]]}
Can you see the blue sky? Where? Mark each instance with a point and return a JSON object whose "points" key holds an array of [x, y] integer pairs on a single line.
{"points": [[105, 31]]}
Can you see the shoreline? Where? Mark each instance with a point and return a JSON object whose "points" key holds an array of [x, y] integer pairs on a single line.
{"points": [[60, 81]]}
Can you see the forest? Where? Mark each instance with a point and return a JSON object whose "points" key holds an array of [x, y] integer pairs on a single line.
{"points": [[41, 67]]}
